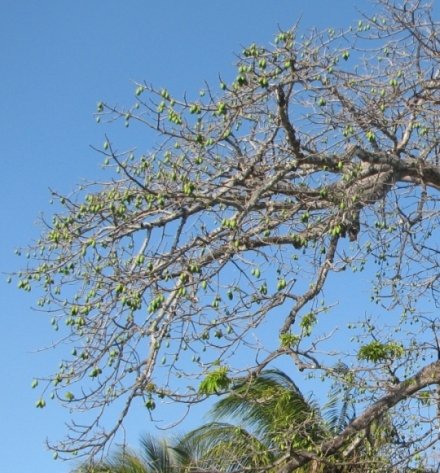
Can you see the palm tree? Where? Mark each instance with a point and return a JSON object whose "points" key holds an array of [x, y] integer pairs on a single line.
{"points": [[271, 419]]}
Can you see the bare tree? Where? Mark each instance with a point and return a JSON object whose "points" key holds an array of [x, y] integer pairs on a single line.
{"points": [[321, 156]]}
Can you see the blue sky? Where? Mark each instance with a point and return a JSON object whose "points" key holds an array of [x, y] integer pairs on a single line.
{"points": [[57, 61]]}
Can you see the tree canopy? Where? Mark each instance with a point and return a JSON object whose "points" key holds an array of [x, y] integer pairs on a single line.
{"points": [[320, 157]]}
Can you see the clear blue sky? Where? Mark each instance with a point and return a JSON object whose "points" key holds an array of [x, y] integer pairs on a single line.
{"points": [[57, 60]]}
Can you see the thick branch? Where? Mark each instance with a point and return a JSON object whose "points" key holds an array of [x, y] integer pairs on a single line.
{"points": [[424, 378]]}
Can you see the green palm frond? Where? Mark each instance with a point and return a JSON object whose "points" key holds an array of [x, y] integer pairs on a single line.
{"points": [[270, 406], [155, 456], [162, 455], [122, 461], [339, 410], [156, 453], [228, 448]]}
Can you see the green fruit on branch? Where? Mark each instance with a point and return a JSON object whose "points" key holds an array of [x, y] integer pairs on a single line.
{"points": [[40, 403]]}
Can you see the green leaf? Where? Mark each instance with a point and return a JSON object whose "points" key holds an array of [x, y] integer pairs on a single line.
{"points": [[215, 381]]}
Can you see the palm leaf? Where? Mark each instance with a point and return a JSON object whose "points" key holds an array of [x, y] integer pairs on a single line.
{"points": [[272, 407], [339, 410], [227, 447], [166, 455], [122, 461]]}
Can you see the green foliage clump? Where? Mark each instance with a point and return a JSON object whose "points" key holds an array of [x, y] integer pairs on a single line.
{"points": [[377, 351], [215, 381]]}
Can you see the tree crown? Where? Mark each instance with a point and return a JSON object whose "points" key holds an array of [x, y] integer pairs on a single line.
{"points": [[316, 159]]}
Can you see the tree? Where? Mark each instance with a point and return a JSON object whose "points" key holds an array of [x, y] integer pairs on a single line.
{"points": [[268, 417], [316, 159]]}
